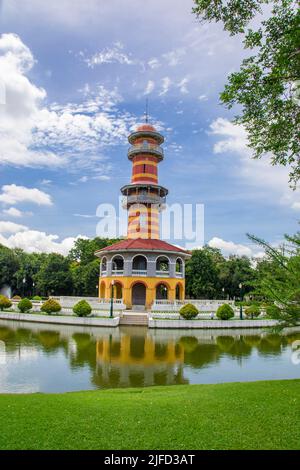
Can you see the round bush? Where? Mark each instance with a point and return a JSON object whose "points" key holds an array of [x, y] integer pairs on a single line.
{"points": [[225, 312], [4, 302], [36, 297], [51, 306], [82, 308], [188, 311], [253, 311], [24, 305], [16, 297]]}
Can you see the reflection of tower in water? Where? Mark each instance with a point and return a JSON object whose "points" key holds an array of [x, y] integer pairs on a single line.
{"points": [[137, 360]]}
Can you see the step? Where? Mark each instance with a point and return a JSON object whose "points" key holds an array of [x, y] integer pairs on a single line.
{"points": [[133, 319]]}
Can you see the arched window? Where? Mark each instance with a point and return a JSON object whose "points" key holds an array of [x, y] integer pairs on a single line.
{"points": [[103, 266], [162, 265], [139, 265], [179, 267], [117, 264], [161, 292], [118, 290]]}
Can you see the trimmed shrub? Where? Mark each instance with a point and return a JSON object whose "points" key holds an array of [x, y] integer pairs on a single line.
{"points": [[51, 306], [24, 305], [82, 308], [253, 311], [188, 311], [37, 297], [16, 297], [225, 312], [4, 302]]}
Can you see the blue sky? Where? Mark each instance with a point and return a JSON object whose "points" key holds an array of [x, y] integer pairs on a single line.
{"points": [[74, 77]]}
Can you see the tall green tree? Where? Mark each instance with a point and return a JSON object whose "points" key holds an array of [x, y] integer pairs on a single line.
{"points": [[235, 271], [279, 279], [9, 264], [266, 87], [55, 277], [202, 274]]}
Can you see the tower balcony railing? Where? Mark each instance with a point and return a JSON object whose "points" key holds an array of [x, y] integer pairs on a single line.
{"points": [[162, 273], [117, 272], [143, 199], [103, 273], [139, 272], [179, 274], [146, 148]]}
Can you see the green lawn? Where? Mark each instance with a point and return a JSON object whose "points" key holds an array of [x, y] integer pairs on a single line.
{"points": [[257, 415]]}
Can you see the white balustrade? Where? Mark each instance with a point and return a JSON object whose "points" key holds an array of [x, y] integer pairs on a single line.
{"points": [[139, 272]]}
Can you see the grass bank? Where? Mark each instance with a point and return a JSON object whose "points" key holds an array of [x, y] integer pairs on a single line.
{"points": [[256, 415]]}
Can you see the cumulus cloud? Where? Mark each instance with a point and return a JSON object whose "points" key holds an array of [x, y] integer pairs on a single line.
{"points": [[11, 227], [66, 131], [13, 194], [33, 241], [229, 247], [259, 173], [20, 110], [13, 212]]}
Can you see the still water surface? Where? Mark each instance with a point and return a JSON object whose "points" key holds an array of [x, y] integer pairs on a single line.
{"points": [[50, 358]]}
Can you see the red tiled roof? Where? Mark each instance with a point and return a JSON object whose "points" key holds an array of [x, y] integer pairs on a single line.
{"points": [[143, 244]]}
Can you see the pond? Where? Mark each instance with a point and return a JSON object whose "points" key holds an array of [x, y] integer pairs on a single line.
{"points": [[50, 358]]}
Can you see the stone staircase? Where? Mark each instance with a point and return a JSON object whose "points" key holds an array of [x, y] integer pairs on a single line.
{"points": [[134, 318]]}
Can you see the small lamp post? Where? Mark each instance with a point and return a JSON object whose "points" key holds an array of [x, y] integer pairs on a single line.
{"points": [[33, 284], [24, 282], [223, 292], [241, 299], [97, 287], [112, 300]]}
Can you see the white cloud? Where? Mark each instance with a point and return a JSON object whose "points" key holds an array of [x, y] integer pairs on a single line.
{"points": [[166, 83], [174, 57], [230, 248], [11, 227], [20, 111], [33, 241], [182, 85], [67, 131], [13, 212], [110, 55], [154, 63], [202, 98], [13, 194], [272, 181], [149, 87]]}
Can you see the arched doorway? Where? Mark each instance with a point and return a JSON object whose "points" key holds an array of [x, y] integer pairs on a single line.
{"points": [[161, 291], [118, 290], [179, 292], [138, 294]]}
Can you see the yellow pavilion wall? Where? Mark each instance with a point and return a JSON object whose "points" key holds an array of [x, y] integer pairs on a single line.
{"points": [[150, 283]]}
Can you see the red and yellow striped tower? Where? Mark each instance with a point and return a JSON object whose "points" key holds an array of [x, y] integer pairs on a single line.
{"points": [[144, 198]]}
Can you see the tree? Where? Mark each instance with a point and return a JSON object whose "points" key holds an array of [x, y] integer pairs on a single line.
{"points": [[9, 264], [84, 249], [233, 272], [54, 276], [278, 280], [202, 271], [266, 88]]}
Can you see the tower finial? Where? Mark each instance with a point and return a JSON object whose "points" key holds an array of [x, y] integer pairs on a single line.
{"points": [[146, 112]]}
